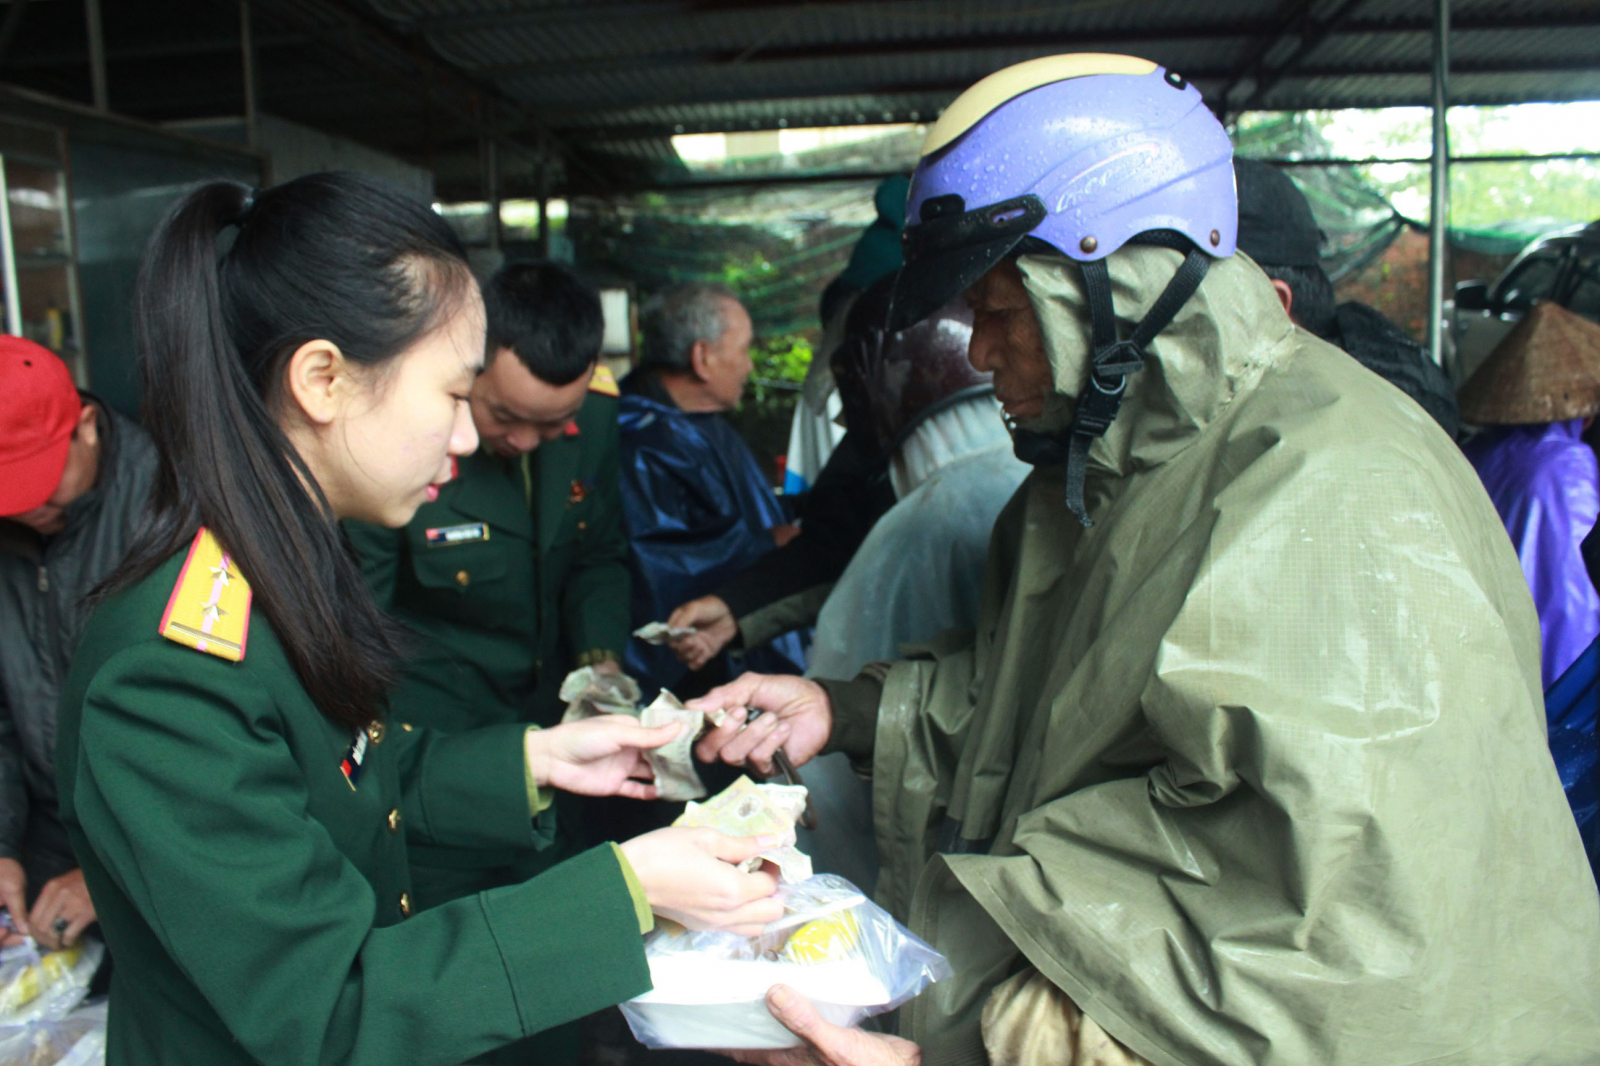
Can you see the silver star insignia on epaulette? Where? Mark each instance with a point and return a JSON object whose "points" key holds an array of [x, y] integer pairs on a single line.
{"points": [[210, 612], [221, 570]]}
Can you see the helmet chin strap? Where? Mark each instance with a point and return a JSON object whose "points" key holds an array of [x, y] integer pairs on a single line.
{"points": [[1112, 362]]}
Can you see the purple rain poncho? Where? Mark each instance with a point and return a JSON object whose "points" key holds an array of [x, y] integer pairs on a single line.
{"points": [[1545, 483]]}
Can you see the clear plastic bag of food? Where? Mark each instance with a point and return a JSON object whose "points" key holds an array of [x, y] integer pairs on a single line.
{"points": [[833, 946], [38, 986], [79, 1039]]}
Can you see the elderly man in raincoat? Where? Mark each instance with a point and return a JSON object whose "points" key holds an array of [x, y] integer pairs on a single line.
{"points": [[1245, 762]]}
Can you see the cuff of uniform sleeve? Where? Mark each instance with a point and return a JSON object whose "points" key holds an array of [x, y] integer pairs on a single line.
{"points": [[596, 656], [538, 798], [641, 903], [855, 715], [580, 909]]}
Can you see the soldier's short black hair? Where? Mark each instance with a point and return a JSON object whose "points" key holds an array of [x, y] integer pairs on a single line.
{"points": [[1314, 301], [546, 315]]}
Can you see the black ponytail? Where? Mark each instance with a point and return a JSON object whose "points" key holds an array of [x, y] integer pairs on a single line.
{"points": [[338, 257]]}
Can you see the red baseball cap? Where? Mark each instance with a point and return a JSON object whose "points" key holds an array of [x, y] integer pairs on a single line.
{"points": [[39, 407]]}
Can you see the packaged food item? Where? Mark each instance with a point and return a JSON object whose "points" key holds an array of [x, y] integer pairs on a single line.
{"points": [[78, 1039], [833, 946], [746, 809], [660, 633], [36, 986]]}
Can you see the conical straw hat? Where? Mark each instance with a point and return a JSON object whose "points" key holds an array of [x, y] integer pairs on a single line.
{"points": [[1545, 370]]}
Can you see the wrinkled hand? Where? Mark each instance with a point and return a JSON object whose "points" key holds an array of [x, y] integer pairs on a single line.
{"points": [[714, 627], [690, 876], [14, 898], [826, 1044], [798, 718], [607, 668], [600, 756], [65, 897]]}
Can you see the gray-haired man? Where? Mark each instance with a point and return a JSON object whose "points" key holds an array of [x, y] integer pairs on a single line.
{"points": [[697, 507]]}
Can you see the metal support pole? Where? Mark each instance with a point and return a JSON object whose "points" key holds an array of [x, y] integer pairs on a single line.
{"points": [[247, 56], [491, 163], [97, 55], [544, 208], [1439, 200]]}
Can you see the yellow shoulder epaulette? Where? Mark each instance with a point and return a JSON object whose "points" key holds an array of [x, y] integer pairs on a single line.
{"points": [[603, 382], [210, 606]]}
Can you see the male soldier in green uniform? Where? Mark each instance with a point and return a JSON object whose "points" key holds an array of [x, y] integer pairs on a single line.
{"points": [[516, 572]]}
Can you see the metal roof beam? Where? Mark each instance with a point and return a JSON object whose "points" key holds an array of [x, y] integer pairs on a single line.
{"points": [[228, 46], [871, 50], [587, 128], [1312, 36], [944, 85], [1275, 31], [616, 12]]}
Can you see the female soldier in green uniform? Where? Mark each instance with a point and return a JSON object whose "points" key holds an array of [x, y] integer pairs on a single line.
{"points": [[239, 802]]}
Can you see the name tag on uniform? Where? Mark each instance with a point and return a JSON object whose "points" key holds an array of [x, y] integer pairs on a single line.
{"points": [[351, 763], [447, 535]]}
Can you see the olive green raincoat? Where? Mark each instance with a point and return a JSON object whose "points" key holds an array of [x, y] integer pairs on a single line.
{"points": [[1254, 769]]}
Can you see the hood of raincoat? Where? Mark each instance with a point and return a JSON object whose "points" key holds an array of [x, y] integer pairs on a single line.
{"points": [[1254, 769]]}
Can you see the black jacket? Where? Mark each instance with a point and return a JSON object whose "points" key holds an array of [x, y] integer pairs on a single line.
{"points": [[785, 588], [43, 584], [1385, 349]]}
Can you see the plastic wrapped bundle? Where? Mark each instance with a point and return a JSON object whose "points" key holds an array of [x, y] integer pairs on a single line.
{"points": [[833, 946], [36, 987]]}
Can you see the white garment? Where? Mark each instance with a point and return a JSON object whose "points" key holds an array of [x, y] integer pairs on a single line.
{"points": [[968, 427], [812, 437], [920, 570]]}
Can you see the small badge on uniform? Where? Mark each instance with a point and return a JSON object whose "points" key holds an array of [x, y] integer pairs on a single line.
{"points": [[579, 492], [351, 763], [571, 430], [443, 536]]}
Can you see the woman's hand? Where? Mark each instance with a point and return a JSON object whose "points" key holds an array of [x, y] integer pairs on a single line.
{"points": [[63, 910], [600, 756], [798, 718], [714, 628], [826, 1044], [690, 876]]}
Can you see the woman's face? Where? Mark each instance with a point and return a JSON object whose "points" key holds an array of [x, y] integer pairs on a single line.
{"points": [[389, 444]]}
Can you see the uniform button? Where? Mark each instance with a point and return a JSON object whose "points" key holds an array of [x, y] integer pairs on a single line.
{"points": [[394, 820], [405, 904], [375, 732], [462, 577], [582, 526], [406, 726]]}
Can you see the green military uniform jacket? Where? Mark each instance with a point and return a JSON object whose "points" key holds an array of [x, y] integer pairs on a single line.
{"points": [[514, 575], [248, 857]]}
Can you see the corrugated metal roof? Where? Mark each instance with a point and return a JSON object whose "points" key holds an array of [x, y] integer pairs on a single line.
{"points": [[609, 70], [600, 78]]}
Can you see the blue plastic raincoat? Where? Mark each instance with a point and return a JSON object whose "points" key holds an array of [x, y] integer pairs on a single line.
{"points": [[698, 510]]}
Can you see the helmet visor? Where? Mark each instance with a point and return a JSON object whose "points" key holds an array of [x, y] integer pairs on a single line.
{"points": [[951, 248]]}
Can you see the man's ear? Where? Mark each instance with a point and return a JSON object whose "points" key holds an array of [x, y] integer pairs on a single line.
{"points": [[317, 379], [87, 431], [700, 358], [1285, 295]]}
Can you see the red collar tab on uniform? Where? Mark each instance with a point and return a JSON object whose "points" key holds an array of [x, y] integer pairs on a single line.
{"points": [[571, 430]]}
